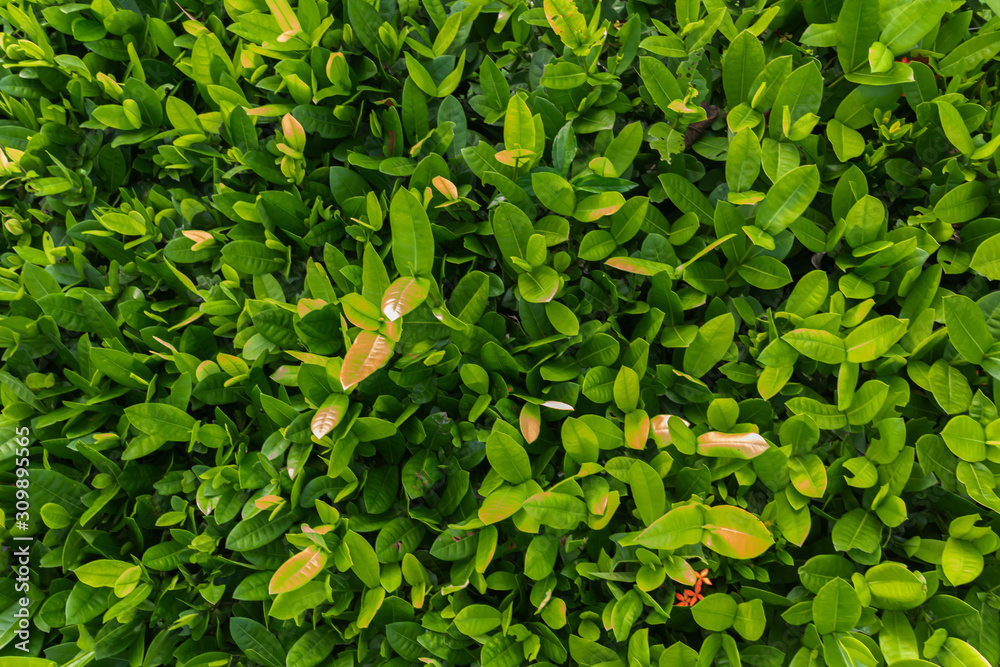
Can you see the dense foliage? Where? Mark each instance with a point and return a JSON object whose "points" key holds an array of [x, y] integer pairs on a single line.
{"points": [[630, 334]]}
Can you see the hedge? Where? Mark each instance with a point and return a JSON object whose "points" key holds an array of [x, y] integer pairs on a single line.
{"points": [[636, 334]]}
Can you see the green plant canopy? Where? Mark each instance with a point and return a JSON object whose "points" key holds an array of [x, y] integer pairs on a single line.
{"points": [[498, 333]]}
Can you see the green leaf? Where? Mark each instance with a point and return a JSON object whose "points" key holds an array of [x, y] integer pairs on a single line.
{"points": [[715, 613], [743, 160], [986, 259], [563, 76], [962, 203], [965, 438], [659, 82], [847, 142], [539, 285], [836, 607], [801, 93], [817, 344], [507, 458], [101, 573], [709, 345], [949, 387], [595, 207], [955, 129], [962, 562], [765, 272], [871, 340], [412, 239], [788, 199], [967, 328], [365, 561], [252, 257], [742, 63], [162, 420], [857, 529], [958, 653], [554, 192], [256, 642], [680, 527], [258, 530], [312, 648], [750, 621], [897, 639], [857, 30], [556, 510], [647, 491], [912, 23], [894, 587], [970, 54], [477, 620], [518, 126], [687, 197]]}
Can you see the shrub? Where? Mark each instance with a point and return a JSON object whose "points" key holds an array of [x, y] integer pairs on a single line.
{"points": [[633, 334]]}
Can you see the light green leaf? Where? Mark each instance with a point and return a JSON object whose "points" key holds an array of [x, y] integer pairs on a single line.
{"points": [[817, 344], [788, 199], [872, 339], [716, 612], [743, 160], [857, 30], [742, 62], [556, 510], [412, 239], [911, 23], [162, 420], [836, 607], [507, 458], [967, 328], [962, 562]]}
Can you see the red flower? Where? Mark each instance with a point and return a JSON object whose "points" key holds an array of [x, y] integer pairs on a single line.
{"points": [[690, 597]]}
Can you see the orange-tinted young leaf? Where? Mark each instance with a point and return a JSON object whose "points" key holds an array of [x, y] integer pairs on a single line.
{"points": [[680, 570], [294, 134], [731, 445], [735, 533], [322, 530], [267, 502], [403, 295], [636, 429], [297, 571], [306, 306], [329, 415], [661, 430], [531, 422], [197, 235], [445, 187], [392, 330], [643, 267], [369, 353], [515, 157]]}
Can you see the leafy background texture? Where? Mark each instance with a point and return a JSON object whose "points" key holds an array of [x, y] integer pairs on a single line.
{"points": [[500, 332]]}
